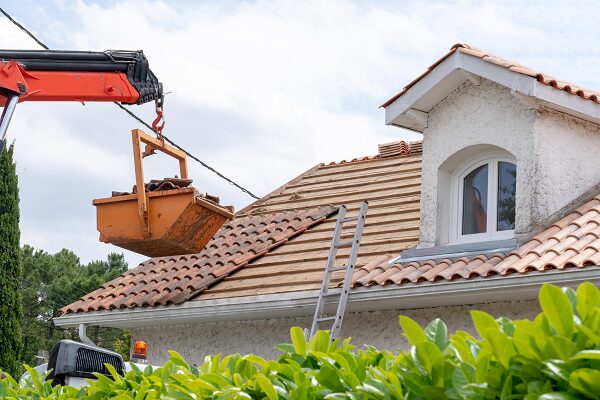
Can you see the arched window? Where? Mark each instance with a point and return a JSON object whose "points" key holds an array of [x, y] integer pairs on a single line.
{"points": [[484, 200]]}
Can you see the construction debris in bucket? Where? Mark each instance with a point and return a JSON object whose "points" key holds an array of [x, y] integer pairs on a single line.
{"points": [[156, 185]]}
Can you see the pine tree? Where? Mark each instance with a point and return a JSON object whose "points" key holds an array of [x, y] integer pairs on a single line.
{"points": [[10, 266]]}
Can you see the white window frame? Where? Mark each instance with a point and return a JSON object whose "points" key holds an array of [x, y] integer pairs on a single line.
{"points": [[492, 159]]}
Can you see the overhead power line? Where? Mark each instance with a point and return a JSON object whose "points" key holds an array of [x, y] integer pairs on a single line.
{"points": [[138, 119], [193, 157], [21, 27]]}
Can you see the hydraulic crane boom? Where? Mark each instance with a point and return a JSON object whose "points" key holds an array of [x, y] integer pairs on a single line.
{"points": [[48, 75], [156, 219]]}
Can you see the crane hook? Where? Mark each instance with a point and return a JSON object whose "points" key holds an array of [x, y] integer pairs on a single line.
{"points": [[159, 122]]}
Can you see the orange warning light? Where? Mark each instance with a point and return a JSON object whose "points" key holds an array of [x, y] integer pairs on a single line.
{"points": [[140, 349]]}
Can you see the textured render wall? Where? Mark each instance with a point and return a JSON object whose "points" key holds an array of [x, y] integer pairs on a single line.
{"points": [[487, 114], [378, 328], [565, 147]]}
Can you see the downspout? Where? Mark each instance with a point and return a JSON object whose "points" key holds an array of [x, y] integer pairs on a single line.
{"points": [[83, 335]]}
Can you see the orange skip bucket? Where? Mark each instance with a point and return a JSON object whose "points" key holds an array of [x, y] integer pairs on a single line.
{"points": [[162, 223]]}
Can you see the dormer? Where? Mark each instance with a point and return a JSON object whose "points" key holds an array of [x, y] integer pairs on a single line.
{"points": [[505, 148]]}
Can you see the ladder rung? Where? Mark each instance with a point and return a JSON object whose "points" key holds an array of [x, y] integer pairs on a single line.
{"points": [[326, 319], [330, 297]]}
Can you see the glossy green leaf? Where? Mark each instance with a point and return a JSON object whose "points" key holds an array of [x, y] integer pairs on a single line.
{"points": [[437, 332], [462, 349], [286, 347], [572, 296], [412, 331], [557, 309], [506, 325], [507, 388], [462, 377], [587, 355], [588, 298], [267, 386], [426, 355], [320, 342], [502, 346], [586, 381], [559, 347], [558, 396], [526, 336], [329, 377], [557, 369], [483, 322], [298, 340]]}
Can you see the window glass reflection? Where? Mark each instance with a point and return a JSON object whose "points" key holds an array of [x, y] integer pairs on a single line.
{"points": [[475, 194], [507, 183]]}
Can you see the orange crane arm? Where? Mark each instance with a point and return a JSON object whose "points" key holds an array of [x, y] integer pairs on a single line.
{"points": [[65, 85], [48, 75]]}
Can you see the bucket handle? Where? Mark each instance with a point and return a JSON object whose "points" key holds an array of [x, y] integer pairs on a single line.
{"points": [[152, 143]]}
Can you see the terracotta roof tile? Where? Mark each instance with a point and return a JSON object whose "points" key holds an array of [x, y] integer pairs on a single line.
{"points": [[541, 77], [390, 183], [263, 252], [173, 280], [393, 149], [574, 241]]}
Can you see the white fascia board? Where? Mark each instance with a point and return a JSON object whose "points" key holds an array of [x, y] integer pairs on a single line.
{"points": [[515, 81], [406, 296], [529, 86], [396, 113], [568, 103], [419, 89]]}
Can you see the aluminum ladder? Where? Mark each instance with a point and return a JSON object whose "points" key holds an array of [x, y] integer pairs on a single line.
{"points": [[339, 294]]}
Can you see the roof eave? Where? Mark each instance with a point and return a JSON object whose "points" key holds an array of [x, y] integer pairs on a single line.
{"points": [[410, 109], [406, 296]]}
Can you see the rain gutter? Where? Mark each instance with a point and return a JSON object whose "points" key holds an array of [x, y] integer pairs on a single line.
{"points": [[405, 296]]}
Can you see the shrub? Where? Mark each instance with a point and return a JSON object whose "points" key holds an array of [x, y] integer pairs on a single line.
{"points": [[555, 356]]}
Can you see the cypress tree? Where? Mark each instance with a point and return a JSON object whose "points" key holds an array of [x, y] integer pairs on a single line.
{"points": [[10, 266]]}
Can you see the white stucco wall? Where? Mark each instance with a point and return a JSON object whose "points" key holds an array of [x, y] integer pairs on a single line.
{"points": [[565, 171], [473, 115], [379, 328], [550, 148]]}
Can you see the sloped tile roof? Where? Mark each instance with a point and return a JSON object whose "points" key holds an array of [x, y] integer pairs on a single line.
{"points": [[280, 243], [510, 65], [173, 280], [392, 186], [572, 242]]}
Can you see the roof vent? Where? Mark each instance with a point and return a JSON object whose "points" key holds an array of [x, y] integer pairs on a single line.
{"points": [[399, 148]]}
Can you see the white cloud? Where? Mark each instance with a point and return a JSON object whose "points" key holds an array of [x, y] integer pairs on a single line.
{"points": [[45, 141], [13, 38], [261, 90]]}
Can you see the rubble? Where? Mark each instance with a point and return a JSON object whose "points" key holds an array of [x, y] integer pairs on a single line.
{"points": [[156, 185]]}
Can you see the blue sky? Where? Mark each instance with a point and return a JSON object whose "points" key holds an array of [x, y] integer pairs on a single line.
{"points": [[261, 90]]}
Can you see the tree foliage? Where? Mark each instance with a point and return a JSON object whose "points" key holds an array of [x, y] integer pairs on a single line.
{"points": [[554, 357], [10, 264], [51, 281]]}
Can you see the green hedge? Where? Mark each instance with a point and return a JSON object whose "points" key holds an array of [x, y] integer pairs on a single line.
{"points": [[555, 356]]}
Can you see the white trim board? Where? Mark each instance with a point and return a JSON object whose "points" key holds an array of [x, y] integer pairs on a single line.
{"points": [[405, 296]]}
